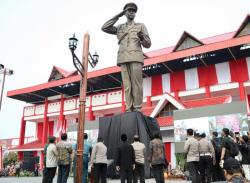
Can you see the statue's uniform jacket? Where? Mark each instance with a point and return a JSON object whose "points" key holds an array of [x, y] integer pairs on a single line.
{"points": [[130, 58], [130, 49]]}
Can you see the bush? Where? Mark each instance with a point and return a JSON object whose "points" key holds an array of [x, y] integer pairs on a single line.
{"points": [[26, 174], [180, 160], [11, 158]]}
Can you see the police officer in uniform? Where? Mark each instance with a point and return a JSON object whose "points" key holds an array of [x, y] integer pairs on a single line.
{"points": [[207, 158], [131, 37]]}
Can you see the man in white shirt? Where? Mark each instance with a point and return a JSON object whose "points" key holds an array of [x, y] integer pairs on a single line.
{"points": [[51, 159], [99, 161], [139, 149], [191, 148]]}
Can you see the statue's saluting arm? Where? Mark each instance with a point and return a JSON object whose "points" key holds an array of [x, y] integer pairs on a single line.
{"points": [[109, 27]]}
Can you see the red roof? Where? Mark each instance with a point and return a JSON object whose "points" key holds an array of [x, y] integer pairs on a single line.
{"points": [[209, 40], [35, 145], [63, 81], [64, 72], [183, 37], [147, 110], [165, 57], [207, 101], [243, 24]]}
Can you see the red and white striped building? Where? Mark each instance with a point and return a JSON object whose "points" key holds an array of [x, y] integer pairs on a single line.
{"points": [[193, 73]]}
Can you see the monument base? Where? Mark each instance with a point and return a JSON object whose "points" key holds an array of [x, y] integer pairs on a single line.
{"points": [[130, 123]]}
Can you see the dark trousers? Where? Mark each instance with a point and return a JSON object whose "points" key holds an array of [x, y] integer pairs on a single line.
{"points": [[157, 171], [192, 167], [50, 174], [63, 173], [18, 172], [100, 172], [126, 175], [217, 172], [45, 175], [139, 172], [85, 169], [205, 166]]}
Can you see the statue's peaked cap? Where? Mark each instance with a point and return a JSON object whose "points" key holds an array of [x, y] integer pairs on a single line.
{"points": [[130, 6]]}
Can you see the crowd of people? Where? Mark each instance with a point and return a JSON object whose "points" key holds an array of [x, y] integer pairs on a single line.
{"points": [[129, 161], [225, 158], [11, 170]]}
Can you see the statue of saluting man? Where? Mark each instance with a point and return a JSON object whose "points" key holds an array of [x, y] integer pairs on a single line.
{"points": [[131, 36]]}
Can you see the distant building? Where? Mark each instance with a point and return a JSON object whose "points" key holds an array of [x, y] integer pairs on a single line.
{"points": [[6, 144]]}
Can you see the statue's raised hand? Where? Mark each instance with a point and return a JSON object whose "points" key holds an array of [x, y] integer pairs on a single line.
{"points": [[121, 14]]}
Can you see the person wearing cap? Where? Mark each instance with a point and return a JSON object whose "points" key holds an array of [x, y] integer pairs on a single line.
{"points": [[139, 149], [131, 37], [191, 148], [232, 171], [197, 135], [207, 158], [125, 160]]}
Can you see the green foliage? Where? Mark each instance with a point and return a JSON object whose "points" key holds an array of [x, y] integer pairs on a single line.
{"points": [[10, 158], [26, 174], [180, 160]]}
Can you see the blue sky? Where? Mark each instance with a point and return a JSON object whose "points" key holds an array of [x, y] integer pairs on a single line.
{"points": [[34, 36]]}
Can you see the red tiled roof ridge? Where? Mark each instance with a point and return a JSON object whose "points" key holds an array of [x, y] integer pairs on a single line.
{"points": [[37, 144], [207, 40], [64, 72]]}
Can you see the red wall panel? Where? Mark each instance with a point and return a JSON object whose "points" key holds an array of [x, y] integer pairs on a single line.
{"points": [[168, 151], [238, 70], [177, 81], [156, 85], [207, 75], [39, 131]]}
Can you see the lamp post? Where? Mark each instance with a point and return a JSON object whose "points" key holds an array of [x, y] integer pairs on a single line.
{"points": [[1, 156], [5, 72], [82, 68]]}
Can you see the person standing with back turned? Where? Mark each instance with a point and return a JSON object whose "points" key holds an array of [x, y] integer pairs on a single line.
{"points": [[131, 37], [125, 160], [51, 160], [139, 149], [99, 161], [191, 148], [64, 149]]}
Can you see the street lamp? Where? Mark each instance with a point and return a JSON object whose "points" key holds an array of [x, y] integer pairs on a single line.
{"points": [[5, 72], [82, 68], [91, 59]]}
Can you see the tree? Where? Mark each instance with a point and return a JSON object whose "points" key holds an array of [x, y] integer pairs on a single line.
{"points": [[10, 158]]}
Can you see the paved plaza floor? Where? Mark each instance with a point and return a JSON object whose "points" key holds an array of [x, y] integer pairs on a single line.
{"points": [[70, 180]]}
